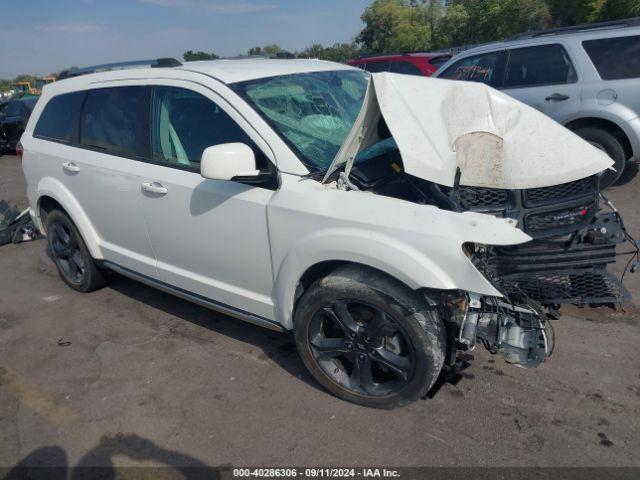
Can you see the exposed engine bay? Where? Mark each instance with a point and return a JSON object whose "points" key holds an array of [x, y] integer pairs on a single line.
{"points": [[574, 240], [465, 147]]}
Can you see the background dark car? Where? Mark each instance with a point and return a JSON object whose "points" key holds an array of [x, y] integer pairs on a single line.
{"points": [[14, 116], [412, 63]]}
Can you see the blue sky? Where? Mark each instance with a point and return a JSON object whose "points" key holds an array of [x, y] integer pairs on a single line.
{"points": [[44, 36]]}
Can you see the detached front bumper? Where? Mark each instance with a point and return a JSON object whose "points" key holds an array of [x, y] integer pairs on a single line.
{"points": [[565, 269], [519, 333]]}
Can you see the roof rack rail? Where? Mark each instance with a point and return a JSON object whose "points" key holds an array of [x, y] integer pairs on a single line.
{"points": [[625, 23], [157, 63]]}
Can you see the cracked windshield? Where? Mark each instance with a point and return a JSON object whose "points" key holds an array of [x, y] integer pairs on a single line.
{"points": [[312, 112]]}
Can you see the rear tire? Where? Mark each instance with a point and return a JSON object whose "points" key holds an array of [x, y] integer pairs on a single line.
{"points": [[70, 254], [368, 339], [609, 144]]}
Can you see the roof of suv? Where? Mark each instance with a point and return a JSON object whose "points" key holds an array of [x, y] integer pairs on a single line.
{"points": [[227, 70], [580, 32]]}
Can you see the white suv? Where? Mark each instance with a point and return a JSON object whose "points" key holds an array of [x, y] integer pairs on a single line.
{"points": [[310, 197]]}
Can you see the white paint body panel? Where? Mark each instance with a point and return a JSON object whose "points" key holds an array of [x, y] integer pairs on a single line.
{"points": [[496, 141]]}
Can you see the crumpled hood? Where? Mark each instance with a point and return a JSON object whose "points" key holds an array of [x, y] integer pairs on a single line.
{"points": [[495, 140]]}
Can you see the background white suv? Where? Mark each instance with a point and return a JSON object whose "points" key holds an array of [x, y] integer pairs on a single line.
{"points": [[218, 182]]}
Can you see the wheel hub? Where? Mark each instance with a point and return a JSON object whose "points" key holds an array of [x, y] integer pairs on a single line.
{"points": [[351, 347]]}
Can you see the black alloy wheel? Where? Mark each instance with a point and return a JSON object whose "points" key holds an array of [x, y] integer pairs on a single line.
{"points": [[361, 348], [66, 253], [70, 254]]}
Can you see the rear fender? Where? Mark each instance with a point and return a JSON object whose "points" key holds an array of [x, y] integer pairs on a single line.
{"points": [[50, 187]]}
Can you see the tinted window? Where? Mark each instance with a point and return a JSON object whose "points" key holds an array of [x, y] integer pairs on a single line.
{"points": [[13, 109], [544, 65], [59, 119], [30, 103], [185, 123], [406, 68], [477, 68], [615, 58], [116, 120], [377, 67], [439, 61]]}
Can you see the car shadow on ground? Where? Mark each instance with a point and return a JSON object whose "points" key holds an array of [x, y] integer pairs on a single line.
{"points": [[52, 462], [279, 347]]}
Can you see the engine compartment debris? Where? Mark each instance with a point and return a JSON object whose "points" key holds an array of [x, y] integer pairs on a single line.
{"points": [[16, 226]]}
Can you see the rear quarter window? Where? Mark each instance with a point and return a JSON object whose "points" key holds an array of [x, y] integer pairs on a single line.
{"points": [[59, 119], [615, 58]]}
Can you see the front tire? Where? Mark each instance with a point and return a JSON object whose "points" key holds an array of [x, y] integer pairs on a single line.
{"points": [[70, 254], [609, 144], [368, 339]]}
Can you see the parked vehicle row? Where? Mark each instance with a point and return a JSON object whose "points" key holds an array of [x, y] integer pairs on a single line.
{"points": [[316, 198], [410, 63]]}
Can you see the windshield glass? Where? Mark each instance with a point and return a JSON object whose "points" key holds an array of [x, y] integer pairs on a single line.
{"points": [[312, 112]]}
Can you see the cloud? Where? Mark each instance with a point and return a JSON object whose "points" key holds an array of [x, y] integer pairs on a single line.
{"points": [[73, 28], [212, 6]]}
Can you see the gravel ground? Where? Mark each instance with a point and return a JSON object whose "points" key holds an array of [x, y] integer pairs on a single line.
{"points": [[131, 376]]}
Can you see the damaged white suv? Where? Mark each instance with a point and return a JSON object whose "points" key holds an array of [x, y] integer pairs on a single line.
{"points": [[388, 221]]}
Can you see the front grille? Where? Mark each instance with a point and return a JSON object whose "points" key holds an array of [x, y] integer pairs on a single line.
{"points": [[539, 196], [479, 197], [567, 286], [568, 217]]}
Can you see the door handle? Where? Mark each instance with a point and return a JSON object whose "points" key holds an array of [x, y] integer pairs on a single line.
{"points": [[557, 97], [70, 167], [154, 187]]}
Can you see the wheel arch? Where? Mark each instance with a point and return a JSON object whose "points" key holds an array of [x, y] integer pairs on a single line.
{"points": [[52, 194], [313, 258], [607, 125]]}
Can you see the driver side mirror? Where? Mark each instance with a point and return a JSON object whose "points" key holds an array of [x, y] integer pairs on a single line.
{"points": [[228, 161]]}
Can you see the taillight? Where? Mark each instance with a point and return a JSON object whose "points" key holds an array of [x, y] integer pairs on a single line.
{"points": [[19, 150]]}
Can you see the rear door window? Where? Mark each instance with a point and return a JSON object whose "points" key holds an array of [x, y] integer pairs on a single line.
{"points": [[407, 68], [59, 119], [615, 58], [185, 123], [116, 120], [481, 68], [540, 65]]}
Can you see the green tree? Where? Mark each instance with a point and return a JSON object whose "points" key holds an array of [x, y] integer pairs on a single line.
{"points": [[338, 52], [255, 51], [396, 25], [272, 49], [190, 56]]}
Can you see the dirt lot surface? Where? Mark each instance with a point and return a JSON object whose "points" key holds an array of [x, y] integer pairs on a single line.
{"points": [[133, 376]]}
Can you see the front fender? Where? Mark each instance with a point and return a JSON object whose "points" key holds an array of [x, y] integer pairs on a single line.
{"points": [[415, 268], [55, 189]]}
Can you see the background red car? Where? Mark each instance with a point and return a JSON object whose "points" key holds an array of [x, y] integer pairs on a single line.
{"points": [[411, 63]]}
